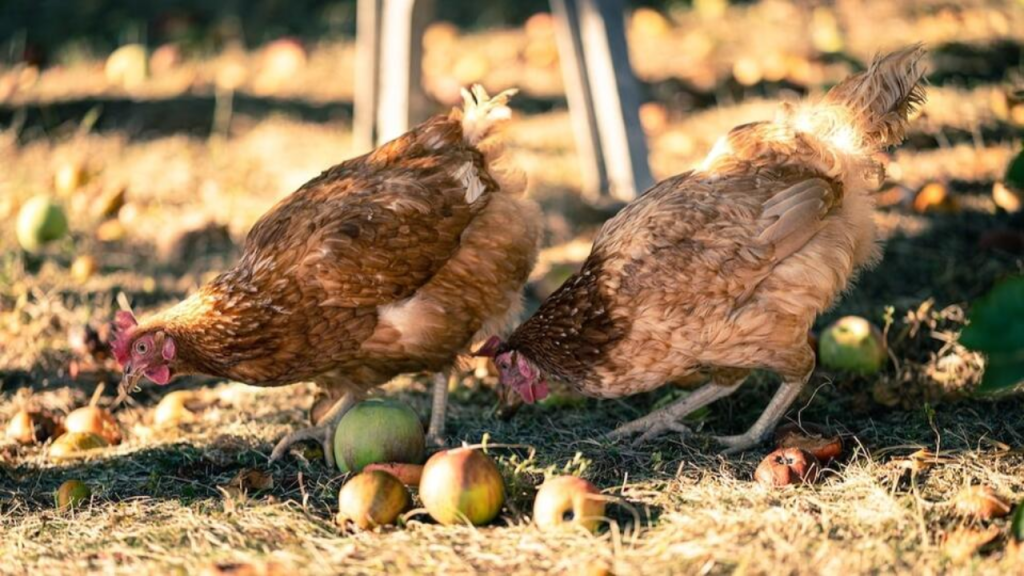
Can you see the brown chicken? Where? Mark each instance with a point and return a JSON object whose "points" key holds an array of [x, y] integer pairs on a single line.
{"points": [[389, 263], [723, 269]]}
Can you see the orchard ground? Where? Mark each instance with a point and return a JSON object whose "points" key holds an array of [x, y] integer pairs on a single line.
{"points": [[164, 501]]}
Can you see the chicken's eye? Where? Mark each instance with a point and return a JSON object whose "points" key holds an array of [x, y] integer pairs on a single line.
{"points": [[141, 348]]}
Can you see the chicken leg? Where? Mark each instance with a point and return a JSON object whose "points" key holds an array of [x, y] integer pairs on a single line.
{"points": [[323, 432], [668, 419], [438, 410], [766, 422]]}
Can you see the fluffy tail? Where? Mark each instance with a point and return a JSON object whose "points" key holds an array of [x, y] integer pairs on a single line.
{"points": [[481, 113], [881, 98], [481, 116]]}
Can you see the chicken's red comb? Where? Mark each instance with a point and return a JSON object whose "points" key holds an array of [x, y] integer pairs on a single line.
{"points": [[124, 326]]}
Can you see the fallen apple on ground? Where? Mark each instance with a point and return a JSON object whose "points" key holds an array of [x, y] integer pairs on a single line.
{"points": [[30, 426], [378, 430], [810, 437], [40, 221], [787, 466], [373, 498], [76, 444], [408, 474], [71, 494], [95, 420], [854, 344], [462, 485], [173, 409], [568, 500], [83, 268]]}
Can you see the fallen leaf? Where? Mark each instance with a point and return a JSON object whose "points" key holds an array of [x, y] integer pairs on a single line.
{"points": [[981, 502], [935, 197], [963, 543], [251, 480], [1005, 198]]}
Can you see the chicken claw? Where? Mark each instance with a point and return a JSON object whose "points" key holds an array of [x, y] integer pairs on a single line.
{"points": [[323, 434], [762, 429], [668, 419], [660, 428]]}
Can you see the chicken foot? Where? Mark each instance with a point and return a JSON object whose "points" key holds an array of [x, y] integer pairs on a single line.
{"points": [[322, 432], [438, 410], [668, 419], [766, 422]]}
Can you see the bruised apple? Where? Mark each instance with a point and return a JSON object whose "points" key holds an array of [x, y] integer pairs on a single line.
{"points": [[787, 466], [810, 437], [378, 430], [462, 485], [565, 500], [76, 444], [371, 499]]}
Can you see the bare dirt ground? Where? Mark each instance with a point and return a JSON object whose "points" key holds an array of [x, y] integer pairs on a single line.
{"points": [[193, 187]]}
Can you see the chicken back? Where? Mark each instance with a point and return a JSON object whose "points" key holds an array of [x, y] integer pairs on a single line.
{"points": [[722, 270], [388, 263]]}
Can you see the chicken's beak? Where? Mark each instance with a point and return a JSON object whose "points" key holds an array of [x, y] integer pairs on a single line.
{"points": [[129, 383]]}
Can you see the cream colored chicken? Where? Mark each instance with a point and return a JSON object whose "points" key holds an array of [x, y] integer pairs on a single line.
{"points": [[722, 270]]}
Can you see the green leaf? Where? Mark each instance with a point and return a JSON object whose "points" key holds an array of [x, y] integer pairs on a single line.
{"points": [[997, 319], [1002, 371], [1017, 524], [1015, 172]]}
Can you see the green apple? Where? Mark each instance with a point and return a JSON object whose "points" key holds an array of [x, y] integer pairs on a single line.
{"points": [[378, 430], [40, 221], [71, 494], [853, 344], [75, 445], [462, 485]]}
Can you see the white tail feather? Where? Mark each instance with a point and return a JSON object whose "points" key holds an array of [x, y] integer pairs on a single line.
{"points": [[481, 112]]}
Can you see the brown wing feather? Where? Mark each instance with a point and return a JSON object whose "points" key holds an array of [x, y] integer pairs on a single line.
{"points": [[705, 241], [316, 268], [370, 232], [795, 215]]}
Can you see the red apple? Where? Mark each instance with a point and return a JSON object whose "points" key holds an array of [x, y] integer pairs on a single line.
{"points": [[787, 466], [810, 437], [462, 485], [408, 474], [565, 500]]}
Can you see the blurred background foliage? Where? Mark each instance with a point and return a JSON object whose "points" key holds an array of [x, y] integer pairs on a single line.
{"points": [[50, 28]]}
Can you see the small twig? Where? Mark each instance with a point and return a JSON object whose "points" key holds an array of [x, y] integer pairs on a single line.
{"points": [[96, 394]]}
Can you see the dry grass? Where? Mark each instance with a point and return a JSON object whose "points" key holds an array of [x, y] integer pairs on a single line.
{"points": [[157, 506]]}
